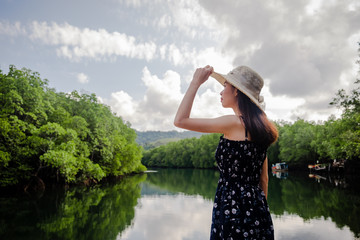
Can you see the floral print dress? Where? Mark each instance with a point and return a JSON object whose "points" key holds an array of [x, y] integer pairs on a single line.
{"points": [[240, 208]]}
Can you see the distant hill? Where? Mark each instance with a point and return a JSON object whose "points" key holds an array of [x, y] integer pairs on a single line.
{"points": [[151, 139]]}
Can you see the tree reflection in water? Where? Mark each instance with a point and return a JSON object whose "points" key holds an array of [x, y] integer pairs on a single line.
{"points": [[101, 212], [315, 197], [113, 211]]}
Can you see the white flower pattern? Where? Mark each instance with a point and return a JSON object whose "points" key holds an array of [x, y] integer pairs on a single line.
{"points": [[240, 208]]}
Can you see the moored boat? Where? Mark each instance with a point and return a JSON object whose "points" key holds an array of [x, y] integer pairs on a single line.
{"points": [[318, 167], [280, 167]]}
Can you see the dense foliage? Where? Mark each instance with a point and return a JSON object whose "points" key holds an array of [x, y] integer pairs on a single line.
{"points": [[186, 153], [45, 135]]}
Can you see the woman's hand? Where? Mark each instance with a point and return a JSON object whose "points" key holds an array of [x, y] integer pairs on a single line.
{"points": [[182, 118], [202, 74]]}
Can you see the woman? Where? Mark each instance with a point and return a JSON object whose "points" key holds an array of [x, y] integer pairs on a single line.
{"points": [[240, 208]]}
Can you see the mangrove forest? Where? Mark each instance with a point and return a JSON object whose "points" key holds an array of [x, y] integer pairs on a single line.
{"points": [[55, 137]]}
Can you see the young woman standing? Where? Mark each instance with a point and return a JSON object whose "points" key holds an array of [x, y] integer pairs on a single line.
{"points": [[240, 208]]}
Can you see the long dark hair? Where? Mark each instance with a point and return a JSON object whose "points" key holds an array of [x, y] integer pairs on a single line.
{"points": [[261, 130]]}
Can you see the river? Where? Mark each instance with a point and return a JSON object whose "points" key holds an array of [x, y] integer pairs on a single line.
{"points": [[176, 204]]}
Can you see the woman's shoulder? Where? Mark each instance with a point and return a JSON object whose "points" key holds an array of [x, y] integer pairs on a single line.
{"points": [[232, 119], [235, 129]]}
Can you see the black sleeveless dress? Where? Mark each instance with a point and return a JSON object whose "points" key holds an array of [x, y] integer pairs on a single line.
{"points": [[240, 208]]}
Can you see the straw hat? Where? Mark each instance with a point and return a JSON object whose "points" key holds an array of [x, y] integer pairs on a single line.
{"points": [[247, 81]]}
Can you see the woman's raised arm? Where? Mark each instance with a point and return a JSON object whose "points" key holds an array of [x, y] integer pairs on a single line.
{"points": [[208, 125], [182, 118]]}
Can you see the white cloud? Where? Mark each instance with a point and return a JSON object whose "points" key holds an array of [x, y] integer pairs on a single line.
{"points": [[184, 18], [279, 107], [164, 21], [191, 19], [133, 3], [156, 110], [11, 29], [123, 104], [212, 56], [75, 43], [175, 55], [82, 78], [185, 56], [162, 94]]}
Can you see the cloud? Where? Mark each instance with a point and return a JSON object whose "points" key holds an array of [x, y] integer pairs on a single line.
{"points": [[191, 19], [82, 78], [75, 43], [133, 3], [11, 29], [123, 104], [188, 17], [156, 110], [164, 21], [305, 49]]}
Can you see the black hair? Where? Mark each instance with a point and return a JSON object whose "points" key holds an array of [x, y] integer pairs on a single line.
{"points": [[261, 130]]}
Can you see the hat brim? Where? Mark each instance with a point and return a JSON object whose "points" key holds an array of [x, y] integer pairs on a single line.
{"points": [[221, 78]]}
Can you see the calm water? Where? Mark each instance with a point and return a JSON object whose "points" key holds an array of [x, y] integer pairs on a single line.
{"points": [[177, 204]]}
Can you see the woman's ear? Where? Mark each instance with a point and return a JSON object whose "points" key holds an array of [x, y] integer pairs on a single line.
{"points": [[236, 91]]}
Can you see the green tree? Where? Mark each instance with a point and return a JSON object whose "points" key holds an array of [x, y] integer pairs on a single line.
{"points": [[295, 143], [349, 130], [68, 138]]}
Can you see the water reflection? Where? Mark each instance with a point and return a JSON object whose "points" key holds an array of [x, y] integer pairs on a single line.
{"points": [[79, 213], [177, 204], [187, 181], [306, 198], [291, 226], [337, 180], [281, 175], [174, 217]]}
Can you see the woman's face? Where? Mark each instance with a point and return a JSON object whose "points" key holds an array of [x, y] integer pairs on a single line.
{"points": [[228, 96]]}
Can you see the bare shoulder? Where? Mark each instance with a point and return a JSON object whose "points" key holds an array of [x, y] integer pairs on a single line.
{"points": [[235, 129], [232, 120]]}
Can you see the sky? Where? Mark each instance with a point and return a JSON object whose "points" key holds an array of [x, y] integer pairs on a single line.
{"points": [[138, 56]]}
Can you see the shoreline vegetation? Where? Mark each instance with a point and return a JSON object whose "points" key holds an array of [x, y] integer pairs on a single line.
{"points": [[49, 137]]}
